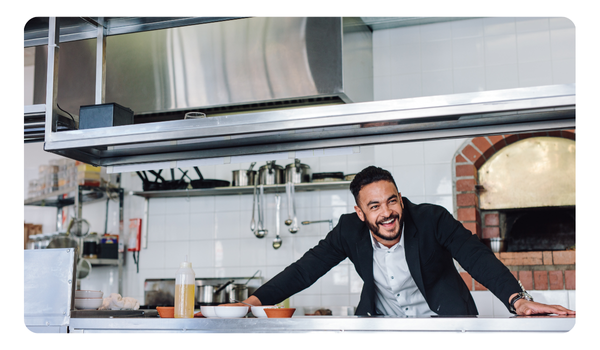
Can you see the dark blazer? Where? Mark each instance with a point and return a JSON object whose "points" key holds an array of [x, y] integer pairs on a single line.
{"points": [[432, 238]]}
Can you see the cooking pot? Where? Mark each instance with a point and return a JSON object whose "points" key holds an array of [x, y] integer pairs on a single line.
{"points": [[213, 293], [270, 174], [297, 172], [237, 291], [244, 177]]}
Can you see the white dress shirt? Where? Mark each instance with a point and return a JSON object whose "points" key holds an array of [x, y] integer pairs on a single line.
{"points": [[396, 293]]}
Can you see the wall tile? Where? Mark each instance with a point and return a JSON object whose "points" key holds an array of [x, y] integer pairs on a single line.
{"points": [[535, 73], [483, 302], [177, 205], [227, 253], [382, 61], [406, 86], [335, 300], [202, 204], [438, 151], [253, 251], [500, 49], [227, 224], [383, 156], [563, 71], [410, 179], [202, 254], [227, 203], [468, 52], [532, 24], [437, 83], [202, 226], [436, 31], [436, 55], [501, 77], [336, 281], [533, 46], [153, 257], [156, 228], [438, 179], [408, 153], [404, 35], [177, 227], [470, 79], [175, 253], [562, 43], [405, 59]]}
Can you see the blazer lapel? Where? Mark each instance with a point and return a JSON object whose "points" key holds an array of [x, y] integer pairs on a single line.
{"points": [[364, 263], [411, 248]]}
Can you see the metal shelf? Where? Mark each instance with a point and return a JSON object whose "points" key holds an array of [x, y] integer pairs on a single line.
{"points": [[103, 262], [237, 190], [53, 199]]}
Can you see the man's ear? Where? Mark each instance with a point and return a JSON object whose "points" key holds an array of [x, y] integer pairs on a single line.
{"points": [[360, 213]]}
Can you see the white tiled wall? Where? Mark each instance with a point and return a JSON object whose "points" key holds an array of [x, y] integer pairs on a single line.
{"points": [[443, 58]]}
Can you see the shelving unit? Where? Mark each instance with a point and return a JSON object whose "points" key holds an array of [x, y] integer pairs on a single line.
{"points": [[78, 196], [237, 190]]}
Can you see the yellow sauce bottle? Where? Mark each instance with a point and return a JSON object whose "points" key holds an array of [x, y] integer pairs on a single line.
{"points": [[185, 287]]}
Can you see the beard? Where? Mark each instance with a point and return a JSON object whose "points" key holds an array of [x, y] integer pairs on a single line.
{"points": [[374, 227]]}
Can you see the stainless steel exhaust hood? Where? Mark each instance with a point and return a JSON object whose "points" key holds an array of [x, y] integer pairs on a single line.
{"points": [[221, 67]]}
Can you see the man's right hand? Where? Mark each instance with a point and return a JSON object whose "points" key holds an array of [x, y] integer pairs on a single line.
{"points": [[252, 300]]}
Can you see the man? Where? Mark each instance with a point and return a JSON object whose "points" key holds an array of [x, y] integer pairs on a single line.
{"points": [[404, 254]]}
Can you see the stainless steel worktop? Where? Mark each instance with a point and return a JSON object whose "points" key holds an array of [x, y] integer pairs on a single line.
{"points": [[324, 324]]}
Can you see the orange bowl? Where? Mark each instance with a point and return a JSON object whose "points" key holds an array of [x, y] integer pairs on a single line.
{"points": [[279, 313], [166, 311]]}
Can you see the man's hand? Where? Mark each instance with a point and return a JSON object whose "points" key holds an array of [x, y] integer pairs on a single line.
{"points": [[252, 300], [526, 308]]}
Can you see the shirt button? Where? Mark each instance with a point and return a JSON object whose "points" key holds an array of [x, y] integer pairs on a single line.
{"points": [[398, 294], [392, 277]]}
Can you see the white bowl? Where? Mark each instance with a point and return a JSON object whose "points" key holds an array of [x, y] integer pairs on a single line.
{"points": [[86, 294], [231, 311], [88, 304], [208, 311], [259, 311]]}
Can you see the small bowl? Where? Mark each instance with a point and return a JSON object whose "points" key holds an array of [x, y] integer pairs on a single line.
{"points": [[86, 294], [166, 311], [285, 312], [231, 311], [259, 311], [208, 311], [88, 304]]}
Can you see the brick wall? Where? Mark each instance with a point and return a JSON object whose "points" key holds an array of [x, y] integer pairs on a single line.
{"points": [[542, 270]]}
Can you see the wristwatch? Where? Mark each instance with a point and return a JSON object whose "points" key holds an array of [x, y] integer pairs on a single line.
{"points": [[520, 295]]}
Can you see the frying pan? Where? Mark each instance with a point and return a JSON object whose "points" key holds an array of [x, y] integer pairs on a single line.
{"points": [[207, 183], [148, 185]]}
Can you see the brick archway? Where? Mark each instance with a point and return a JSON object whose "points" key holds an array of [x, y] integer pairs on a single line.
{"points": [[467, 161]]}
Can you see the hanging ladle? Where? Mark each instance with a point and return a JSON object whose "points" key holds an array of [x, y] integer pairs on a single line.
{"points": [[294, 227], [277, 240], [288, 192], [253, 223], [261, 232]]}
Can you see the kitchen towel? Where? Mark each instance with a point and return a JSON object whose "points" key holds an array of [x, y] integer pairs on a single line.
{"points": [[116, 302]]}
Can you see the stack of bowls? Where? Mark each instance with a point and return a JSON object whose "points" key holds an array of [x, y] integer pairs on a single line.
{"points": [[88, 299]]}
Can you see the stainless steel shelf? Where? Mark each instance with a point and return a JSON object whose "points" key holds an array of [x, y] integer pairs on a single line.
{"points": [[237, 190], [54, 199], [103, 262]]}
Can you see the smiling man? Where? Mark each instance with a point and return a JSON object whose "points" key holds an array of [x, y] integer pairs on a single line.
{"points": [[404, 254]]}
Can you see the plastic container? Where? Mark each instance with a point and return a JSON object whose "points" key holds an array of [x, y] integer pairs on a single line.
{"points": [[185, 286]]}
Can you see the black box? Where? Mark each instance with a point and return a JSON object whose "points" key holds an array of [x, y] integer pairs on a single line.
{"points": [[104, 115], [108, 251]]}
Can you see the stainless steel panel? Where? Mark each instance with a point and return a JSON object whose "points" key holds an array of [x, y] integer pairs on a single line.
{"points": [[49, 281], [327, 324], [459, 115]]}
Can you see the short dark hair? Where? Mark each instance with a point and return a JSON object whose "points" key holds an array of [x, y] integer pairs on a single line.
{"points": [[369, 175]]}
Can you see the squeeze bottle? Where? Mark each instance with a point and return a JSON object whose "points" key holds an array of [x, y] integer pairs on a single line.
{"points": [[185, 285]]}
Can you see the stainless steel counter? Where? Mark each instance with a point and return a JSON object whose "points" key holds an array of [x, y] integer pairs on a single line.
{"points": [[324, 324]]}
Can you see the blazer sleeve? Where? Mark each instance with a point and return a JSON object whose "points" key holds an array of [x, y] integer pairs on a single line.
{"points": [[476, 258], [301, 274]]}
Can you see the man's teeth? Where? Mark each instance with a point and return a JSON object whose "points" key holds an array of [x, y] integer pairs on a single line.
{"points": [[388, 222]]}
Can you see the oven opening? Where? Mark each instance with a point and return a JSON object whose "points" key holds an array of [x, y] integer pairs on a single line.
{"points": [[537, 229]]}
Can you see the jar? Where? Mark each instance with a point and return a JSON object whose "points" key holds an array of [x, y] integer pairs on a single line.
{"points": [[90, 246]]}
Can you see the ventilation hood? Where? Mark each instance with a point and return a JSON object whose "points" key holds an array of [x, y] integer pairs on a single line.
{"points": [[267, 85]]}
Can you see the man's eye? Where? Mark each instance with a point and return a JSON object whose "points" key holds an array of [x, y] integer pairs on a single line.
{"points": [[374, 207]]}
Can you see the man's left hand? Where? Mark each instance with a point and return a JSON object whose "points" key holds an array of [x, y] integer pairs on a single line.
{"points": [[526, 308]]}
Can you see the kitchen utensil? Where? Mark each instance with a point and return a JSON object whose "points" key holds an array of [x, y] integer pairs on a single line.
{"points": [[277, 240], [294, 227], [208, 311], [78, 227], [244, 177], [284, 312], [253, 223], [271, 174], [241, 302], [288, 193], [166, 311], [194, 115], [259, 311], [231, 311], [327, 177], [207, 183], [88, 303], [319, 221], [86, 294], [84, 268], [349, 177], [297, 172], [261, 232]]}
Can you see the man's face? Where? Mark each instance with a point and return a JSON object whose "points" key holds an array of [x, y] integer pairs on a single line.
{"points": [[380, 206]]}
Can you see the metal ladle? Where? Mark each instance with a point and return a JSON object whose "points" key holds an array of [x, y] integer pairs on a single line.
{"points": [[294, 227], [261, 232], [277, 240], [253, 223], [288, 192]]}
